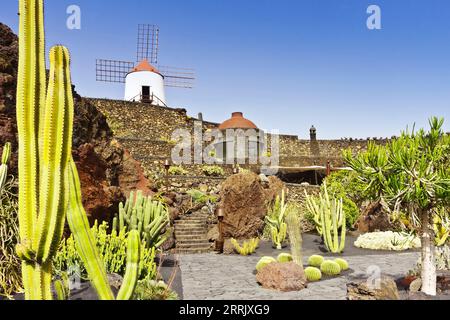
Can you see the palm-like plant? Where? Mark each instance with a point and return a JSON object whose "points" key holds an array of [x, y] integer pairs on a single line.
{"points": [[411, 172]]}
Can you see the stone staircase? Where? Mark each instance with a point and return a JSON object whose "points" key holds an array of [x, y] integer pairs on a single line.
{"points": [[191, 234]]}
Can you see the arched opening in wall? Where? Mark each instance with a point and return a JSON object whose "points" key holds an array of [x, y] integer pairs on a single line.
{"points": [[312, 177]]}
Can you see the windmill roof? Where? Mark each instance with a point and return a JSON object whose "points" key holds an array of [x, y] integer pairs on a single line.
{"points": [[144, 65], [237, 121]]}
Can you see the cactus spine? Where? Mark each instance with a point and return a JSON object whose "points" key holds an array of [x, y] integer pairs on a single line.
{"points": [[295, 238], [329, 218], [4, 164], [144, 214]]}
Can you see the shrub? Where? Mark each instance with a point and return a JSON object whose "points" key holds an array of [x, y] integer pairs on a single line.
{"points": [[112, 249], [148, 289], [10, 273], [392, 241], [177, 171], [199, 197], [213, 171], [313, 274], [248, 247]]}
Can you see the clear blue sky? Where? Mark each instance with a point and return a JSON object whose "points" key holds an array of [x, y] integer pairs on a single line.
{"points": [[286, 64]]}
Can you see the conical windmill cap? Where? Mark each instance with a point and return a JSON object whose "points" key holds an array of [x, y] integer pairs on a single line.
{"points": [[144, 65]]}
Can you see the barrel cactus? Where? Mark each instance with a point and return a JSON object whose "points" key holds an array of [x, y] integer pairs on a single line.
{"points": [[330, 268], [342, 263], [263, 262], [315, 261], [313, 274], [284, 257]]}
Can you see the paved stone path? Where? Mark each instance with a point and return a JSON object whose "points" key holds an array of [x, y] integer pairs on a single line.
{"points": [[221, 277]]}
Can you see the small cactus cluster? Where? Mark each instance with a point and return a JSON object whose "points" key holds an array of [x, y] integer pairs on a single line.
{"points": [[326, 267], [263, 262], [276, 221], [248, 247], [147, 216]]}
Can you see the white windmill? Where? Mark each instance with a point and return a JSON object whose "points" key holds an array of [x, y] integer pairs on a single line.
{"points": [[143, 81]]}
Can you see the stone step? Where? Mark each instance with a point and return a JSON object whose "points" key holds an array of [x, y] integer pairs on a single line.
{"points": [[187, 237], [190, 234], [192, 251], [192, 241], [189, 228], [198, 246], [190, 221]]}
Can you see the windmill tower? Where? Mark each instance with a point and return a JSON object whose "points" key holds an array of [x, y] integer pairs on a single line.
{"points": [[143, 81]]}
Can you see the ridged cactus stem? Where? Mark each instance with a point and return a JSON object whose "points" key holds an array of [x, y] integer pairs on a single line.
{"points": [[132, 271], [84, 239], [295, 238]]}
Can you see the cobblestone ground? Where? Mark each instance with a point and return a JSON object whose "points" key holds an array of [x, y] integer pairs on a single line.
{"points": [[221, 277]]}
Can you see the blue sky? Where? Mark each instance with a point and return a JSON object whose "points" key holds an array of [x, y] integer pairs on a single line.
{"points": [[287, 64]]}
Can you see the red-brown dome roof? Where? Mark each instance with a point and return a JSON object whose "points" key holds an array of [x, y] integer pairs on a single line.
{"points": [[237, 121], [144, 65]]}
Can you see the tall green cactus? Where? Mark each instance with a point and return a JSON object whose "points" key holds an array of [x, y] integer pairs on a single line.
{"points": [[48, 181], [145, 215], [295, 237], [330, 220], [275, 220], [4, 165]]}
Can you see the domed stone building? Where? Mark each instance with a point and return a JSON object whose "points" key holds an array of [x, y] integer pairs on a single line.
{"points": [[241, 142]]}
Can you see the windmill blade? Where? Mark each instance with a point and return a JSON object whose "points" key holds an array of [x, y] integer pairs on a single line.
{"points": [[178, 77], [112, 70], [147, 43]]}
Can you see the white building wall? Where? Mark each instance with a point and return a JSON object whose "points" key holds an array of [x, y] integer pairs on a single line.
{"points": [[135, 80]]}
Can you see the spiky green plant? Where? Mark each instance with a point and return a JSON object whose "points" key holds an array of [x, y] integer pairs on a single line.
{"points": [[342, 263], [330, 220], [146, 215], [263, 262], [48, 181], [284, 257], [247, 248], [330, 268], [295, 237], [315, 260], [275, 220], [4, 165], [313, 274]]}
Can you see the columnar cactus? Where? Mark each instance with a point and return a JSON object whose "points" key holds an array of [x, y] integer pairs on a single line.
{"points": [[295, 238], [329, 218], [146, 215], [276, 221], [4, 164]]}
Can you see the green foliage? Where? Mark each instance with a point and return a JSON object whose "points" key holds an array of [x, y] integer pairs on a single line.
{"points": [[329, 219], [199, 197], [345, 185], [61, 289], [112, 249], [275, 220], [388, 240], [295, 237], [263, 262], [313, 274], [330, 268], [441, 226], [342, 263], [148, 289], [10, 274], [146, 215], [248, 247], [284, 257], [177, 171], [213, 171], [315, 261]]}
